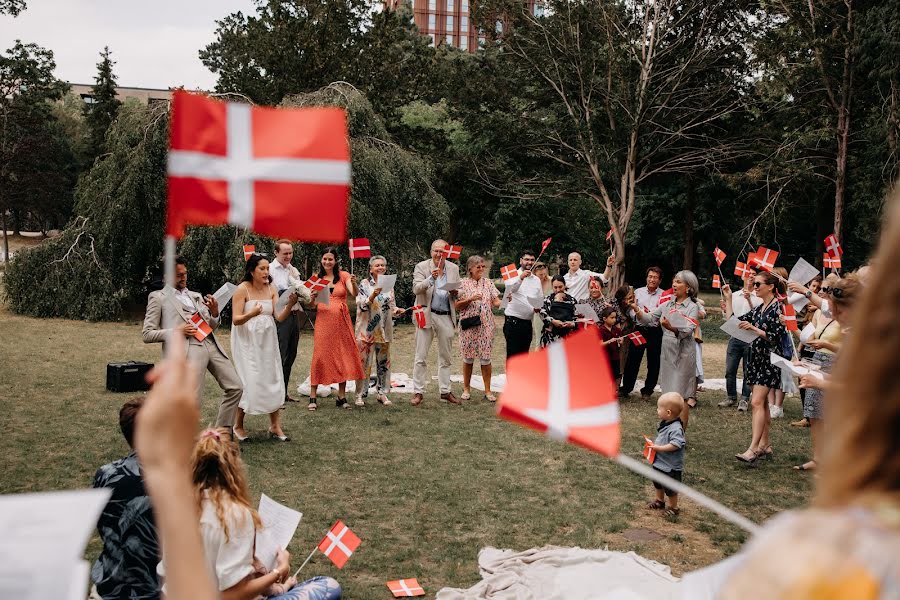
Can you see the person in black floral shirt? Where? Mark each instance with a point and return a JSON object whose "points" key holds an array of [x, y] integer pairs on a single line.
{"points": [[126, 568]]}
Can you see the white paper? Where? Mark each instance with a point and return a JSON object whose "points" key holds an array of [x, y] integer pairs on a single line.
{"points": [[283, 298], [279, 525], [324, 296], [732, 328], [536, 301], [386, 283], [44, 537], [79, 580], [678, 320], [587, 312], [807, 332], [794, 369], [803, 272], [451, 285], [798, 301], [223, 294]]}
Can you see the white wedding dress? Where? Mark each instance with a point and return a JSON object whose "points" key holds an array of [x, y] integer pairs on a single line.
{"points": [[257, 360]]}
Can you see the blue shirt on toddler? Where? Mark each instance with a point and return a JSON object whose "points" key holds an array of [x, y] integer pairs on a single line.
{"points": [[670, 432]]}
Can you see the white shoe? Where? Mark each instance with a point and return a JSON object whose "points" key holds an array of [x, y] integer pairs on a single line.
{"points": [[776, 412], [743, 405]]}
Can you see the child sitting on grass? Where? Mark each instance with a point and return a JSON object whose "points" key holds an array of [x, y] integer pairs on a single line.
{"points": [[669, 447]]}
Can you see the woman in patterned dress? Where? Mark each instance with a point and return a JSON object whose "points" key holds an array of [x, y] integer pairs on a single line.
{"points": [[558, 313], [477, 296], [763, 321], [335, 356]]}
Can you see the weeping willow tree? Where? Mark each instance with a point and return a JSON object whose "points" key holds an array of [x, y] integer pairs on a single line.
{"points": [[107, 256]]}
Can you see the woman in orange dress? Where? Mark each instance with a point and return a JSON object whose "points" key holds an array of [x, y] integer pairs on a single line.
{"points": [[335, 357]]}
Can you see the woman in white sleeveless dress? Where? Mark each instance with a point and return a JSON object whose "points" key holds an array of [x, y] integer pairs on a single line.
{"points": [[254, 347]]}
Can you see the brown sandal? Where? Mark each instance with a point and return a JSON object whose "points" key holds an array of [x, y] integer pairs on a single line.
{"points": [[672, 512], [656, 505]]}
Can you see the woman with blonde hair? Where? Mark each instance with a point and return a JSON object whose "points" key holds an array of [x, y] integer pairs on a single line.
{"points": [[847, 544]]}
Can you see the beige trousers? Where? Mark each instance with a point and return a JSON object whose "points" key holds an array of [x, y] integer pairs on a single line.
{"points": [[442, 326], [206, 357]]}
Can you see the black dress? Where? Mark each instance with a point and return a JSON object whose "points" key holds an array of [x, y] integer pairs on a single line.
{"points": [[761, 371], [561, 311]]}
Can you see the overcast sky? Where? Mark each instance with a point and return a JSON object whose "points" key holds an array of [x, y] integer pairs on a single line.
{"points": [[154, 43]]}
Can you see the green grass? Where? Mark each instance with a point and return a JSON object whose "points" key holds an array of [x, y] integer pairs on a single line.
{"points": [[425, 488]]}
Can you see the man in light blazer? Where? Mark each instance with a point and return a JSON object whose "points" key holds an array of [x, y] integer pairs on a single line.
{"points": [[173, 311], [440, 320]]}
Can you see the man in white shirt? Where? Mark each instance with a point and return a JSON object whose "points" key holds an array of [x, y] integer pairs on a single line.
{"points": [[647, 298], [519, 312], [578, 280], [281, 270], [742, 302]]}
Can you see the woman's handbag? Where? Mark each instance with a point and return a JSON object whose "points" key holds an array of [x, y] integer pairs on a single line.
{"points": [[470, 322]]}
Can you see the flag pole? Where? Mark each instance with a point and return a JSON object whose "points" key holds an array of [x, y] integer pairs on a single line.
{"points": [[168, 277], [297, 572], [723, 511]]}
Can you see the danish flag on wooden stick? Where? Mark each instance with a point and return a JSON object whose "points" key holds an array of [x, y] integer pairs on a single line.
{"points": [[636, 338], [248, 252], [741, 270], [716, 282], [360, 248], [790, 317], [405, 588], [279, 172], [509, 272], [719, 256], [831, 262], [451, 251], [649, 453], [315, 283], [666, 296], [339, 543], [833, 247], [558, 390], [765, 258], [419, 314], [545, 244]]}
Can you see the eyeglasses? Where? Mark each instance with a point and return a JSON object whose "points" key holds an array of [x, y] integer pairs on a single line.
{"points": [[837, 292], [756, 284]]}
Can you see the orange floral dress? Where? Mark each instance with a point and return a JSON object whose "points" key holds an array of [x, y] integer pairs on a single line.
{"points": [[335, 356]]}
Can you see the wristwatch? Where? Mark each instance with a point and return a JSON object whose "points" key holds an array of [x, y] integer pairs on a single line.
{"points": [[808, 294]]}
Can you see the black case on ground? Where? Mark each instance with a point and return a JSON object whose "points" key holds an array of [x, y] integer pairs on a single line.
{"points": [[127, 376]]}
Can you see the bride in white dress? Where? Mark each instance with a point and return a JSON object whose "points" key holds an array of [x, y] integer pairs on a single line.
{"points": [[254, 347]]}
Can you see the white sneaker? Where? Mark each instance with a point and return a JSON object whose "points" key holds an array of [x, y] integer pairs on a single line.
{"points": [[776, 412], [743, 405]]}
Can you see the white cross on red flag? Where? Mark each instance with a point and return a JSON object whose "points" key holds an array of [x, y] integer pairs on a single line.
{"points": [[765, 258], [339, 543], [203, 328], [567, 391], [719, 256], [315, 283], [831, 262], [419, 314], [833, 246], [545, 244], [666, 296], [452, 252], [649, 453], [636, 338], [716, 282], [405, 588], [360, 248], [790, 317], [279, 172], [248, 252], [509, 272], [741, 270]]}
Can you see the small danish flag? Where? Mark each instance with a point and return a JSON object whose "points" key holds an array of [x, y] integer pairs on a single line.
{"points": [[509, 272], [719, 256], [316, 283], [666, 296], [790, 317], [452, 252], [833, 246], [359, 248], [649, 453], [831, 262], [716, 282], [279, 172], [765, 258], [248, 252], [741, 270], [636, 338], [565, 390], [339, 543], [203, 328], [404, 588], [419, 314], [609, 234], [545, 244]]}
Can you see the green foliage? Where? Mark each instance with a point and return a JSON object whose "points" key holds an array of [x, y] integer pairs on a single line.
{"points": [[12, 7], [104, 105]]}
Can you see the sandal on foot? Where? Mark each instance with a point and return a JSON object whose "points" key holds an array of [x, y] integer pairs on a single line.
{"points": [[768, 454], [656, 505], [360, 402], [383, 400], [688, 402], [312, 404], [490, 397], [465, 396], [806, 466], [672, 512], [342, 403], [753, 457]]}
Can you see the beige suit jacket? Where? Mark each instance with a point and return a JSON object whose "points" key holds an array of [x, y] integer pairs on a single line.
{"points": [[424, 289], [163, 311]]}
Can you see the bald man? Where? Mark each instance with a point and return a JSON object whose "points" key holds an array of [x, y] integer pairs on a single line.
{"points": [[578, 280]]}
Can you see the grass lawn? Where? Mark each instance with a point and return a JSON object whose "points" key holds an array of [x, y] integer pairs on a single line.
{"points": [[425, 488]]}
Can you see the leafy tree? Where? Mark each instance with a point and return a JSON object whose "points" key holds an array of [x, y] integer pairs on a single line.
{"points": [[12, 7], [101, 111]]}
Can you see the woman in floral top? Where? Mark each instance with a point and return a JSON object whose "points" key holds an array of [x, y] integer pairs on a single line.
{"points": [[375, 311], [477, 296]]}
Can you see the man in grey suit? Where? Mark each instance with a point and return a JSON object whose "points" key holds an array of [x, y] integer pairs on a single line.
{"points": [[440, 319], [172, 311]]}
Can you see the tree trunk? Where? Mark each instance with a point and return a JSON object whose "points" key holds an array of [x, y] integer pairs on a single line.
{"points": [[843, 127], [688, 262], [5, 237], [16, 221]]}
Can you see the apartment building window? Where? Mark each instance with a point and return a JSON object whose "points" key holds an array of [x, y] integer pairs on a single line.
{"points": [[464, 5], [449, 40], [449, 22], [451, 5], [464, 24], [464, 42], [432, 21], [432, 4]]}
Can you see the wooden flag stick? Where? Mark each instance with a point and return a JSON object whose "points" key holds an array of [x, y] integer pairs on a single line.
{"points": [[168, 280], [721, 280], [297, 572], [723, 511]]}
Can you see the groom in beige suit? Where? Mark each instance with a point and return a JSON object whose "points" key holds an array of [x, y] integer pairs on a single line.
{"points": [[440, 320], [173, 311]]}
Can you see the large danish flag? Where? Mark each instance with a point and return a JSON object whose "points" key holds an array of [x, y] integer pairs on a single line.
{"points": [[567, 391], [360, 248], [279, 172], [339, 543], [405, 588], [833, 246]]}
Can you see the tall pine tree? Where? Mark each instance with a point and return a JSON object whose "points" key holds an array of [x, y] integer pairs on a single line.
{"points": [[101, 111]]}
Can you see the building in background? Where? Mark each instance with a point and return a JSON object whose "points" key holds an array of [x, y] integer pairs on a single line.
{"points": [[448, 22], [144, 95]]}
